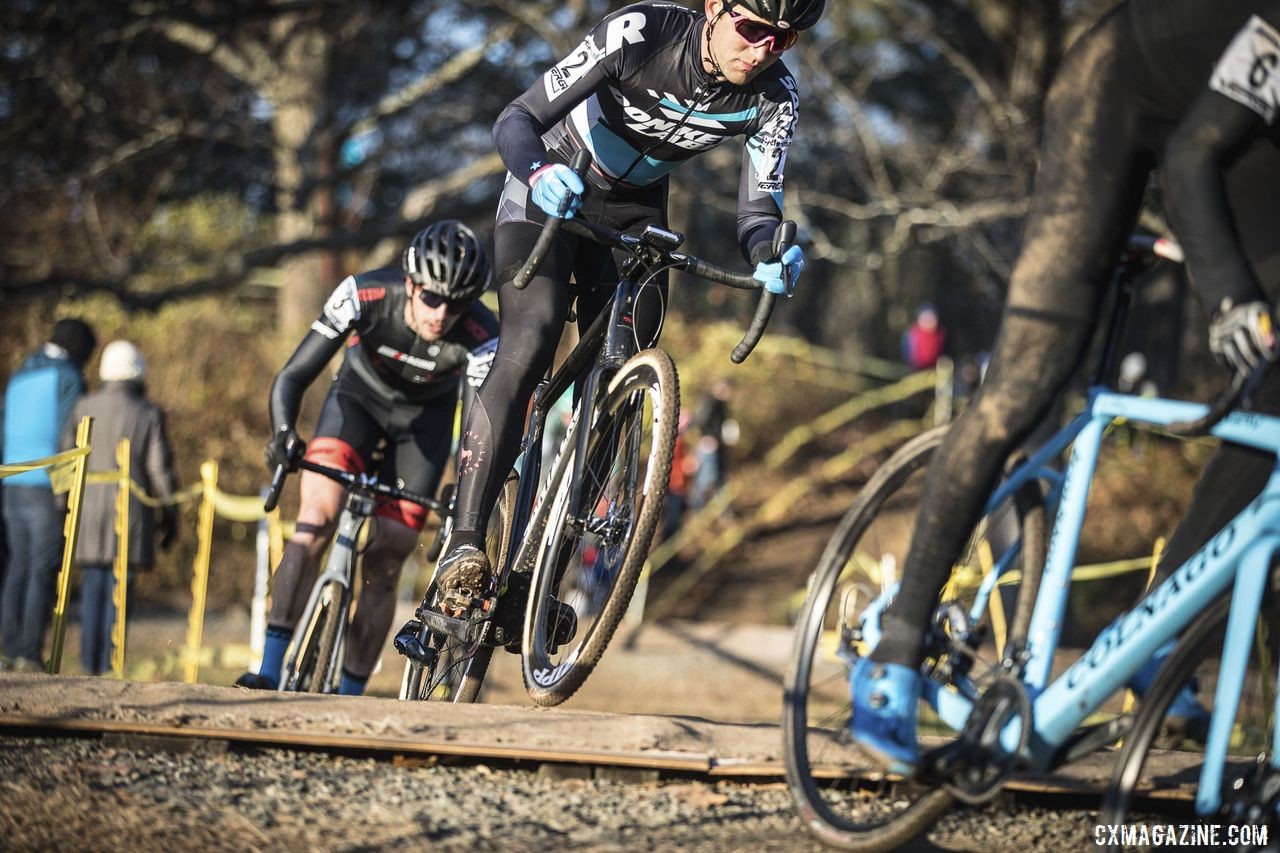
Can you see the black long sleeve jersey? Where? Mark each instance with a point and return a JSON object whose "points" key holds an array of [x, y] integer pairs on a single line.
{"points": [[1208, 100]]}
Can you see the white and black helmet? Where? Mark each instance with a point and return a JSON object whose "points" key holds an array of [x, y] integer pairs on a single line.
{"points": [[448, 259], [784, 14]]}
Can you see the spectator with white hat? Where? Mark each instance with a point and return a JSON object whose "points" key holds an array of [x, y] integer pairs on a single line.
{"points": [[120, 409]]}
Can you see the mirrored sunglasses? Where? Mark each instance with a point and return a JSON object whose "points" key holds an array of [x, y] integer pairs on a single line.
{"points": [[431, 299], [755, 34]]}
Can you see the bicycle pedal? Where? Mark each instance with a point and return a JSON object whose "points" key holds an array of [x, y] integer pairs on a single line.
{"points": [[468, 628], [408, 643]]}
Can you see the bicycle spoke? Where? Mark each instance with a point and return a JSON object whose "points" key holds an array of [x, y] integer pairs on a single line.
{"points": [[591, 555]]}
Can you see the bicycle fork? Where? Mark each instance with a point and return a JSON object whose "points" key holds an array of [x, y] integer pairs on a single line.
{"points": [[339, 568], [1246, 600]]}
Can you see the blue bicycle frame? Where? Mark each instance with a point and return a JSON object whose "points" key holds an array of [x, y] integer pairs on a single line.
{"points": [[1241, 551]]}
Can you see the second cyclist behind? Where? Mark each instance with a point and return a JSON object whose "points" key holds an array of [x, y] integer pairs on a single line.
{"points": [[412, 333]]}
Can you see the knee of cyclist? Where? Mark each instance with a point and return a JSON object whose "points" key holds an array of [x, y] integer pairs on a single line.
{"points": [[991, 415], [378, 584], [311, 539], [383, 561]]}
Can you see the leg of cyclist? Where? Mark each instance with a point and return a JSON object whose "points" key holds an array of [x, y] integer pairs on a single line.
{"points": [[418, 440], [533, 320], [1092, 174], [392, 538], [531, 329], [345, 437]]}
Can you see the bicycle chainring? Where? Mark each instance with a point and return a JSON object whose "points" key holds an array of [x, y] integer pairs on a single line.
{"points": [[980, 764]]}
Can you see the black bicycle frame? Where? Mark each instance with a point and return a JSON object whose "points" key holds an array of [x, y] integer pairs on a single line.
{"points": [[602, 350]]}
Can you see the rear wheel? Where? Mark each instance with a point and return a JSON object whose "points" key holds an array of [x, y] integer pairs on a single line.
{"points": [[459, 669], [829, 777], [590, 558]]}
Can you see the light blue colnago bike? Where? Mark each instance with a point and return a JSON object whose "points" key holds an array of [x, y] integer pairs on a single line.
{"points": [[993, 705]]}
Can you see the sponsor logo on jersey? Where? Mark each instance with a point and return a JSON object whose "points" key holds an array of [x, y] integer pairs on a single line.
{"points": [[686, 130], [404, 358], [624, 29], [478, 364], [771, 143]]}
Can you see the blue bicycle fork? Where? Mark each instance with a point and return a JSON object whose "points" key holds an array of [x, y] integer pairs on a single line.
{"points": [[1246, 599]]}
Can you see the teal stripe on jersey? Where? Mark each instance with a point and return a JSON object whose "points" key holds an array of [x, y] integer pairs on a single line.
{"points": [[742, 115], [615, 156]]}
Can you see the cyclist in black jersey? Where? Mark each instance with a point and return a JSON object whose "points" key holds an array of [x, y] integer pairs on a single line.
{"points": [[413, 334], [1186, 89], [651, 86]]}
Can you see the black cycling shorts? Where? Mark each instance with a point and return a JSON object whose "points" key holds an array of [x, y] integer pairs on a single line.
{"points": [[418, 437]]}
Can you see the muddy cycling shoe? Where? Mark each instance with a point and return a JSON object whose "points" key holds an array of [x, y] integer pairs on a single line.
{"points": [[463, 577], [1186, 717], [885, 704], [254, 681]]}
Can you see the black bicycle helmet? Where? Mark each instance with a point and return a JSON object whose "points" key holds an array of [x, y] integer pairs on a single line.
{"points": [[784, 14], [447, 258]]}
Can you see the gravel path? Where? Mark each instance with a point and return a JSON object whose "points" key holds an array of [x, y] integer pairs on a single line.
{"points": [[87, 795]]}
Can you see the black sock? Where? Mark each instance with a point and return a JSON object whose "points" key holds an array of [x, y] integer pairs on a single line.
{"points": [[474, 538]]}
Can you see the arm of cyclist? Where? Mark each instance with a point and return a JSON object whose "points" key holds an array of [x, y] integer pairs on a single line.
{"points": [[323, 341], [1238, 106], [764, 158], [518, 131]]}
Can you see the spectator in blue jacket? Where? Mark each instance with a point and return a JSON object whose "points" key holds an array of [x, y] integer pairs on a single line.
{"points": [[39, 398]]}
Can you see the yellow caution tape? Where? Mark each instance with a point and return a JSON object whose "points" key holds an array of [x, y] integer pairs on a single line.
{"points": [[11, 468], [238, 507]]}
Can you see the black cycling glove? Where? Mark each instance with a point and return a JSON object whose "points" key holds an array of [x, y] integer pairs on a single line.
{"points": [[285, 448]]}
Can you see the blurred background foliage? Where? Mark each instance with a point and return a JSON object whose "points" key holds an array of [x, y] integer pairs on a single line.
{"points": [[197, 175]]}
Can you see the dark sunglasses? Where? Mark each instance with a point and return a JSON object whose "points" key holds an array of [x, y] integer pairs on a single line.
{"points": [[431, 299], [755, 34]]}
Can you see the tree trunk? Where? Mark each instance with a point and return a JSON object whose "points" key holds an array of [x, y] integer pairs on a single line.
{"points": [[298, 94]]}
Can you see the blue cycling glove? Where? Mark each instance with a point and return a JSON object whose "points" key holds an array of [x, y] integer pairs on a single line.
{"points": [[780, 275], [553, 186]]}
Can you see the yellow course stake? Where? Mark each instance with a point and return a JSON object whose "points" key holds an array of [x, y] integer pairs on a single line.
{"points": [[71, 529], [999, 624], [119, 595], [200, 577], [1156, 553]]}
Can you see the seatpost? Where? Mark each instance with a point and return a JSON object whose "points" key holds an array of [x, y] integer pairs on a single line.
{"points": [[1118, 324]]}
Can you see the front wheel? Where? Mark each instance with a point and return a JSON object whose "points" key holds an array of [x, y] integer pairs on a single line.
{"points": [[829, 778], [592, 551], [319, 666]]}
